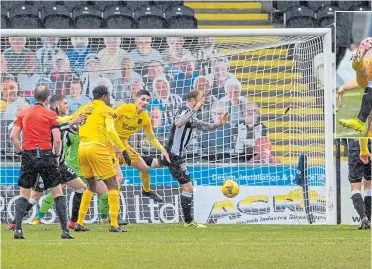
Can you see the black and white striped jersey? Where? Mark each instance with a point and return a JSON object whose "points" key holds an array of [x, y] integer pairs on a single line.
{"points": [[181, 136]]}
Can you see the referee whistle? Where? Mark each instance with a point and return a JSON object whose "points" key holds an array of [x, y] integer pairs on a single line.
{"points": [[37, 151]]}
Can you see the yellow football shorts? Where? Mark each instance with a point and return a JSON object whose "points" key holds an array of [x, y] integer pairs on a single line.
{"points": [[95, 161], [115, 160]]}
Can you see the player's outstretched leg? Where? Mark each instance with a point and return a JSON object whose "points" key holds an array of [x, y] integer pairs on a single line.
{"points": [[47, 204], [144, 169]]}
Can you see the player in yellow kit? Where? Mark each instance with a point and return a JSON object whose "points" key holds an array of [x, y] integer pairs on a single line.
{"points": [[131, 118], [362, 64], [94, 157]]}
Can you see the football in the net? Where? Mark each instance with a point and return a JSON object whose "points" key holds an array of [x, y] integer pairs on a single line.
{"points": [[230, 188]]}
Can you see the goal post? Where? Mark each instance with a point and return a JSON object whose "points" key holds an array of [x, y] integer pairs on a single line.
{"points": [[276, 84]]}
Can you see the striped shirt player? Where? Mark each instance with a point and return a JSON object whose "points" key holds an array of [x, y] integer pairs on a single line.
{"points": [[184, 123]]}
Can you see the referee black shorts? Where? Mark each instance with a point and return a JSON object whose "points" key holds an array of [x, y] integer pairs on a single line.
{"points": [[357, 169], [177, 168], [45, 166], [67, 174]]}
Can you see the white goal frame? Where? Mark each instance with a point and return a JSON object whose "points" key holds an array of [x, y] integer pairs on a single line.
{"points": [[328, 85]]}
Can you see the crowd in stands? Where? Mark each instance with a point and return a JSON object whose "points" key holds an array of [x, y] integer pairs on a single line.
{"points": [[167, 73]]}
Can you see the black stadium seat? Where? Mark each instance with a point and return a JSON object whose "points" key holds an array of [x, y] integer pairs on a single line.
{"points": [[181, 17], [7, 5], [316, 5], [102, 5], [4, 18], [119, 17], [300, 16], [56, 17], [359, 7], [150, 17], [87, 17], [325, 16], [24, 16], [165, 5], [71, 5], [134, 5], [283, 6], [348, 5]]}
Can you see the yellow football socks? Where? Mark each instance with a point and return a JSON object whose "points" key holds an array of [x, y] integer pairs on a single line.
{"points": [[145, 178], [113, 201], [84, 205]]}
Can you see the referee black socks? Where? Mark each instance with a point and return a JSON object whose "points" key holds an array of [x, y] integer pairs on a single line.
{"points": [[366, 106], [20, 209], [186, 204], [358, 203], [60, 203], [367, 202]]}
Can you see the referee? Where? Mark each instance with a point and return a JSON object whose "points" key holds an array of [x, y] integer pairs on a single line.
{"points": [[38, 124]]}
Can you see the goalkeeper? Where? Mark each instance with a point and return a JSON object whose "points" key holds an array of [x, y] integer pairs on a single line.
{"points": [[131, 118], [363, 70]]}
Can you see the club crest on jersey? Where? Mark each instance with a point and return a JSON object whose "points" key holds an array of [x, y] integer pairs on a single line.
{"points": [[139, 121]]}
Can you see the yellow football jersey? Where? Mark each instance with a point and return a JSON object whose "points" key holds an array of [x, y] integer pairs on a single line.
{"points": [[94, 130], [128, 121]]}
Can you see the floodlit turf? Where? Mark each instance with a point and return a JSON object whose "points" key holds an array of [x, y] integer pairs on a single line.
{"points": [[173, 246], [350, 108]]}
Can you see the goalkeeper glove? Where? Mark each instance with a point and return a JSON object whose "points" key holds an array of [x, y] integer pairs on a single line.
{"points": [[126, 157]]}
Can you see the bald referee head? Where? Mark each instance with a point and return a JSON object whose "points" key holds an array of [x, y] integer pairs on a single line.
{"points": [[41, 95]]}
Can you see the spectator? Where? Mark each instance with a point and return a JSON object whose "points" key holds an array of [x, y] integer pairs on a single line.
{"points": [[217, 144], [61, 77], [16, 55], [144, 53], [155, 70], [184, 81], [173, 54], [250, 129], [78, 53], [233, 100], [122, 81], [10, 99], [205, 52], [103, 81], [76, 99], [4, 68], [263, 149], [47, 53], [112, 55], [135, 87], [170, 102], [220, 73], [27, 82], [159, 130], [93, 72], [202, 84]]}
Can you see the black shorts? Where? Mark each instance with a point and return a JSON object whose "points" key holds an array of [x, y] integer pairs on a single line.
{"points": [[45, 166], [177, 168], [357, 169], [67, 174]]}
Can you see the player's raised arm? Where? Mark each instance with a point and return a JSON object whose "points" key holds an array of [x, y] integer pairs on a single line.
{"points": [[195, 102], [361, 65], [346, 87], [206, 126]]}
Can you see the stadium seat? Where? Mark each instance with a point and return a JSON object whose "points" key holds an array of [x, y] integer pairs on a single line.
{"points": [[4, 18], [87, 17], [119, 17], [102, 5], [7, 5], [283, 6], [359, 7], [150, 17], [181, 17], [24, 16], [164, 5], [134, 5], [71, 5], [316, 5], [56, 17], [300, 16], [348, 5], [325, 16], [40, 5]]}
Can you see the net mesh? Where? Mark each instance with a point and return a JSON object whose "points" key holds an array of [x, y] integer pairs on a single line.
{"points": [[271, 86]]}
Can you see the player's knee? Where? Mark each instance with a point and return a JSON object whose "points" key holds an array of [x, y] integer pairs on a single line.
{"points": [[356, 186], [92, 184], [187, 187], [367, 184]]}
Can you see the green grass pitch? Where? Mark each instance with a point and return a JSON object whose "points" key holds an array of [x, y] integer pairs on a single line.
{"points": [[350, 108], [172, 246]]}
